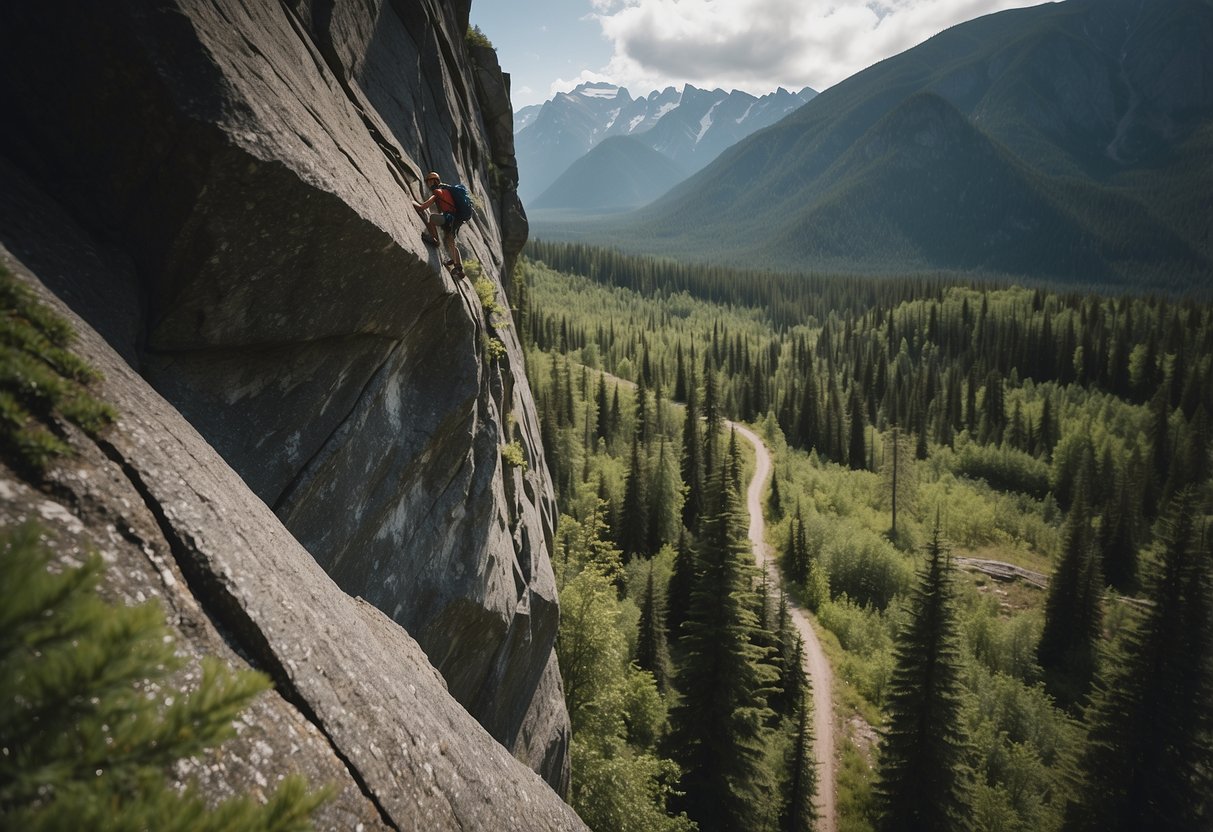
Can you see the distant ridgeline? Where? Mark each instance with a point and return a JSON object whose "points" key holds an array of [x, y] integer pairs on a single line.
{"points": [[1068, 141], [598, 149]]}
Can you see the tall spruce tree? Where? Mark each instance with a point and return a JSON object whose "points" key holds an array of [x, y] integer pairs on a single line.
{"points": [[923, 779], [797, 810], [1148, 762], [692, 458], [719, 726], [652, 649], [682, 582], [1118, 536], [857, 452], [1069, 641], [634, 522]]}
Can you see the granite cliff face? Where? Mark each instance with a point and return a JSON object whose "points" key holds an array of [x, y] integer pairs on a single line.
{"points": [[223, 191]]}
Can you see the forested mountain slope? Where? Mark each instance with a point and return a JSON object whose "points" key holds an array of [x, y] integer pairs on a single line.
{"points": [[1068, 141]]}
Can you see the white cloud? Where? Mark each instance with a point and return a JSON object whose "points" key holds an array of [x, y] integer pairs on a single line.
{"points": [[757, 45], [564, 85]]}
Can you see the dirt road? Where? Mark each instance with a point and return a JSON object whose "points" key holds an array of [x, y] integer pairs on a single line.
{"points": [[815, 663]]}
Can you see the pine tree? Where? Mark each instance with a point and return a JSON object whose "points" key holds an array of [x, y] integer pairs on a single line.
{"points": [[719, 726], [634, 522], [712, 420], [775, 501], [857, 452], [1118, 536], [652, 649], [692, 458], [682, 582], [602, 423], [808, 424], [86, 743], [1148, 762], [665, 501], [796, 556], [798, 812], [1068, 644], [923, 781], [899, 480], [793, 681]]}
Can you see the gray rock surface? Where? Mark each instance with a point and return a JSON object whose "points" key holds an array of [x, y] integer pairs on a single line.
{"points": [[241, 176], [356, 702]]}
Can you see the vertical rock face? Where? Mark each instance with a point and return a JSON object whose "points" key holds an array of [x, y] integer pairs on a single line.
{"points": [[253, 164]]}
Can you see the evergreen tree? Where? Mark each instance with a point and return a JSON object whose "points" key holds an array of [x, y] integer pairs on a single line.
{"points": [[734, 461], [796, 556], [793, 681], [719, 726], [634, 522], [923, 781], [86, 738], [807, 434], [692, 458], [682, 582], [665, 501], [1148, 762], [899, 479], [857, 452], [775, 501], [798, 812], [602, 423], [1118, 536], [652, 649], [712, 420], [1068, 644]]}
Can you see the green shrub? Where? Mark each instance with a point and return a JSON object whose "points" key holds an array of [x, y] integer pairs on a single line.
{"points": [[476, 37], [494, 349], [88, 738], [866, 568], [1004, 468], [513, 455]]}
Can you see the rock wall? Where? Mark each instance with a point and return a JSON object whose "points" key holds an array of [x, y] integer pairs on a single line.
{"points": [[242, 175], [356, 704]]}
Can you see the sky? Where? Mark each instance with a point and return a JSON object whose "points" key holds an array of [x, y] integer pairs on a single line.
{"points": [[551, 46]]}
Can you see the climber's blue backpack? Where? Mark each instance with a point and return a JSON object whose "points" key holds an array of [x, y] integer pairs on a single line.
{"points": [[463, 202]]}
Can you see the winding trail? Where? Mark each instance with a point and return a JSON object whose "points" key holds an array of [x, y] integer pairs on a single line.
{"points": [[815, 663]]}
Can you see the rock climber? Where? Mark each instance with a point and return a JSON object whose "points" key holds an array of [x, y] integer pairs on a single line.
{"points": [[445, 216]]}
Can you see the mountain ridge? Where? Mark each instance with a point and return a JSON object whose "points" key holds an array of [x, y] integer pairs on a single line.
{"points": [[1083, 94], [681, 124]]}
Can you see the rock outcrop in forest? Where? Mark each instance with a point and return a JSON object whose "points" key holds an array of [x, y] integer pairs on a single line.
{"points": [[222, 193]]}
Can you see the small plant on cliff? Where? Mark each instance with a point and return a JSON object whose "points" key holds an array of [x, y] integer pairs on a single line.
{"points": [[476, 37], [87, 730], [41, 382], [513, 455], [494, 349], [485, 290]]}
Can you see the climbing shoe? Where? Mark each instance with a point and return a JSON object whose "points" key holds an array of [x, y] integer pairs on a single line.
{"points": [[428, 239]]}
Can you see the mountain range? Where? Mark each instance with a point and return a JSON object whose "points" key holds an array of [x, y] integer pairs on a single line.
{"points": [[690, 127], [1070, 141]]}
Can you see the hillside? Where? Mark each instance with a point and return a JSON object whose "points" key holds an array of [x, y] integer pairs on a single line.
{"points": [[1096, 116], [620, 173]]}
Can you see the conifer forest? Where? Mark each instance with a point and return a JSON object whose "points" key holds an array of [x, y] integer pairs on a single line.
{"points": [[993, 499]]}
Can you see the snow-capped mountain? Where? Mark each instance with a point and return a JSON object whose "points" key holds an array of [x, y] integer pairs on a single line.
{"points": [[690, 126], [707, 122]]}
